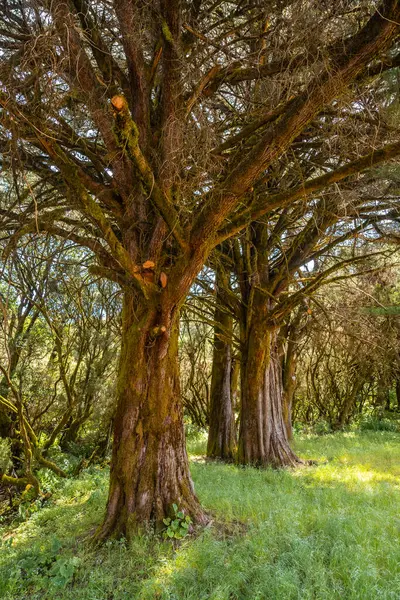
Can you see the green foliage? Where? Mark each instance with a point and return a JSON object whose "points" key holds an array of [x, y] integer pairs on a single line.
{"points": [[26, 508], [5, 455], [321, 427], [177, 527], [196, 439], [48, 566], [372, 423], [63, 570], [326, 532]]}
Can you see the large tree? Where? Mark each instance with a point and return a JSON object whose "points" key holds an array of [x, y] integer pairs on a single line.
{"points": [[123, 126]]}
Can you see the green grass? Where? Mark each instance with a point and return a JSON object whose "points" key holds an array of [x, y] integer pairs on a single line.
{"points": [[331, 531]]}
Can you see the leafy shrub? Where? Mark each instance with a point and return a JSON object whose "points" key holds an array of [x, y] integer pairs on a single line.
{"points": [[194, 432], [322, 427], [371, 423], [63, 570], [48, 480], [56, 570]]}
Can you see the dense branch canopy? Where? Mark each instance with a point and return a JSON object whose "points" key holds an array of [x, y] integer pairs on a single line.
{"points": [[153, 131]]}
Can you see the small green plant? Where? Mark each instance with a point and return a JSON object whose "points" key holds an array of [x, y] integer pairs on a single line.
{"points": [[177, 527], [47, 565], [63, 570]]}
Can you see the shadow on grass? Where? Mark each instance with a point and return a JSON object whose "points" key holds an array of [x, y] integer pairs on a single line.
{"points": [[325, 532]]}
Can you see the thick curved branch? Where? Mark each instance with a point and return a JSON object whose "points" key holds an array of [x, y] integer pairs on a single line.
{"points": [[262, 207], [345, 65]]}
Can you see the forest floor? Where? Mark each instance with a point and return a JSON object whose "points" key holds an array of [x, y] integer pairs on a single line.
{"points": [[329, 531]]}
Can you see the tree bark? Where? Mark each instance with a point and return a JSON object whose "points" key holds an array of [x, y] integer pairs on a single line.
{"points": [[289, 363], [263, 436], [149, 466], [289, 386], [398, 394], [221, 434]]}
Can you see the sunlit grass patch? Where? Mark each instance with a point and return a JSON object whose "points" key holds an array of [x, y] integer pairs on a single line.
{"points": [[329, 531]]}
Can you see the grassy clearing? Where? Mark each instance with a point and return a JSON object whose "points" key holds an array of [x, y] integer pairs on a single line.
{"points": [[323, 532]]}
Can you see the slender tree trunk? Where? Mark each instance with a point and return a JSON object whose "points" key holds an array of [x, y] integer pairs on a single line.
{"points": [[381, 396], [289, 363], [221, 434], [263, 437], [349, 405], [71, 434], [8, 420], [149, 466], [235, 376], [73, 429], [398, 394], [289, 386]]}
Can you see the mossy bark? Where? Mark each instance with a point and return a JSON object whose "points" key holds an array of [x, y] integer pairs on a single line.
{"points": [[149, 466], [221, 435], [263, 435]]}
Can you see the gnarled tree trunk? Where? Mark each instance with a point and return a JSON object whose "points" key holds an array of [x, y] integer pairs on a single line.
{"points": [[263, 436], [221, 434], [149, 467]]}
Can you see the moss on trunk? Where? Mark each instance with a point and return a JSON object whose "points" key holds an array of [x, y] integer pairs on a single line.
{"points": [[149, 467], [263, 436]]}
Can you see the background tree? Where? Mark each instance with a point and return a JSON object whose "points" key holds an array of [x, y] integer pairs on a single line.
{"points": [[66, 346], [348, 366]]}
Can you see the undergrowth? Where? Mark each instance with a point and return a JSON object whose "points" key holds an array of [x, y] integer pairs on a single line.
{"points": [[330, 531]]}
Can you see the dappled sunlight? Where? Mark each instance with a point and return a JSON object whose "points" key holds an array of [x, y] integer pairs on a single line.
{"points": [[75, 507], [331, 530], [350, 475]]}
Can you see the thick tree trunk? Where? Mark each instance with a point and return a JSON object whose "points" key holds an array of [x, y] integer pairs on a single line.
{"points": [[149, 466], [221, 434], [263, 436]]}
